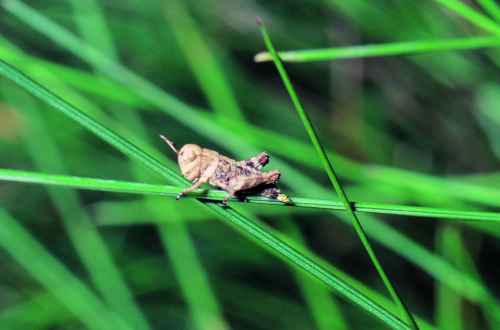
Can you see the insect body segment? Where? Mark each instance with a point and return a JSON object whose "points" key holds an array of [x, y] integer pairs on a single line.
{"points": [[201, 165]]}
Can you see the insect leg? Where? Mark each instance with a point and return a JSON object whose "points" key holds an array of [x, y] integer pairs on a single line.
{"points": [[271, 176], [195, 186], [257, 161]]}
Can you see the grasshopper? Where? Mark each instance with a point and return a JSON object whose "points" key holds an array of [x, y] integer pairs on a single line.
{"points": [[201, 165]]}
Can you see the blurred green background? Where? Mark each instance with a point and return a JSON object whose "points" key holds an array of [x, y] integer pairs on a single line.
{"points": [[412, 130]]}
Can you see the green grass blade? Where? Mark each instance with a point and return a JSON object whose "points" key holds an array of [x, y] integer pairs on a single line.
{"points": [[44, 311], [190, 273], [448, 306], [98, 129], [262, 235], [88, 243], [217, 195], [202, 61], [333, 178], [227, 215], [167, 103], [387, 49], [285, 146], [325, 312], [491, 7], [185, 114], [471, 15], [54, 276], [176, 235], [196, 127], [91, 22], [206, 127], [209, 73]]}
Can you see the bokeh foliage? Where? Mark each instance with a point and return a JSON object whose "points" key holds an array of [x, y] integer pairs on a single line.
{"points": [[412, 130]]}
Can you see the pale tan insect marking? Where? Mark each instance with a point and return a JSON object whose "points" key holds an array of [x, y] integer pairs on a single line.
{"points": [[201, 165]]}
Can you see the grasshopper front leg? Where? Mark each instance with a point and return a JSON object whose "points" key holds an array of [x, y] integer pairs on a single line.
{"points": [[197, 184]]}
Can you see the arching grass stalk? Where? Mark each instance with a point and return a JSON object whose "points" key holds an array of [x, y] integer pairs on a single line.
{"points": [[333, 176], [258, 232], [218, 195], [385, 49]]}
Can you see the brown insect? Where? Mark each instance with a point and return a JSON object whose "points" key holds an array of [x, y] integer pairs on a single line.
{"points": [[201, 165]]}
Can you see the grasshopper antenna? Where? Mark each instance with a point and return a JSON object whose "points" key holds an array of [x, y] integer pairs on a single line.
{"points": [[170, 143]]}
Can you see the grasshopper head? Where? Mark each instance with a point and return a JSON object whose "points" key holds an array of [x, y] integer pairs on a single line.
{"points": [[189, 158]]}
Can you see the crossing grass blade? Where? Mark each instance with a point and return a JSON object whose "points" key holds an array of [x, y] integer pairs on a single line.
{"points": [[491, 7], [326, 312], [384, 175], [333, 177], [256, 231], [388, 49], [471, 15], [203, 61], [394, 240], [175, 236], [89, 244], [217, 195]]}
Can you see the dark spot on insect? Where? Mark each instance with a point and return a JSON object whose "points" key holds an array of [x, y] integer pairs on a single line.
{"points": [[242, 171], [220, 174]]}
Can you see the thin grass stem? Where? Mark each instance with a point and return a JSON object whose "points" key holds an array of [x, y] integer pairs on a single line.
{"points": [[257, 232], [333, 178], [387, 49]]}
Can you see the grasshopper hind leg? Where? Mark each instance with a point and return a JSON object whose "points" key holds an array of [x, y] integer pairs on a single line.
{"points": [[257, 162]]}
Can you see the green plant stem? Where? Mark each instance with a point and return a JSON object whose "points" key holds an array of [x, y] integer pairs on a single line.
{"points": [[386, 49], [471, 15], [255, 231], [201, 55], [381, 232], [175, 236], [202, 61], [218, 195], [448, 305], [189, 272], [150, 95], [334, 180], [90, 246], [325, 311], [276, 245], [491, 7]]}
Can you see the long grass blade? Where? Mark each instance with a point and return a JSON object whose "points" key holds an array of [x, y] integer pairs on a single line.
{"points": [[185, 114], [202, 60], [325, 311], [87, 241], [217, 195], [471, 15], [255, 231], [448, 305], [387, 49], [333, 178], [263, 236], [175, 237], [491, 7]]}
